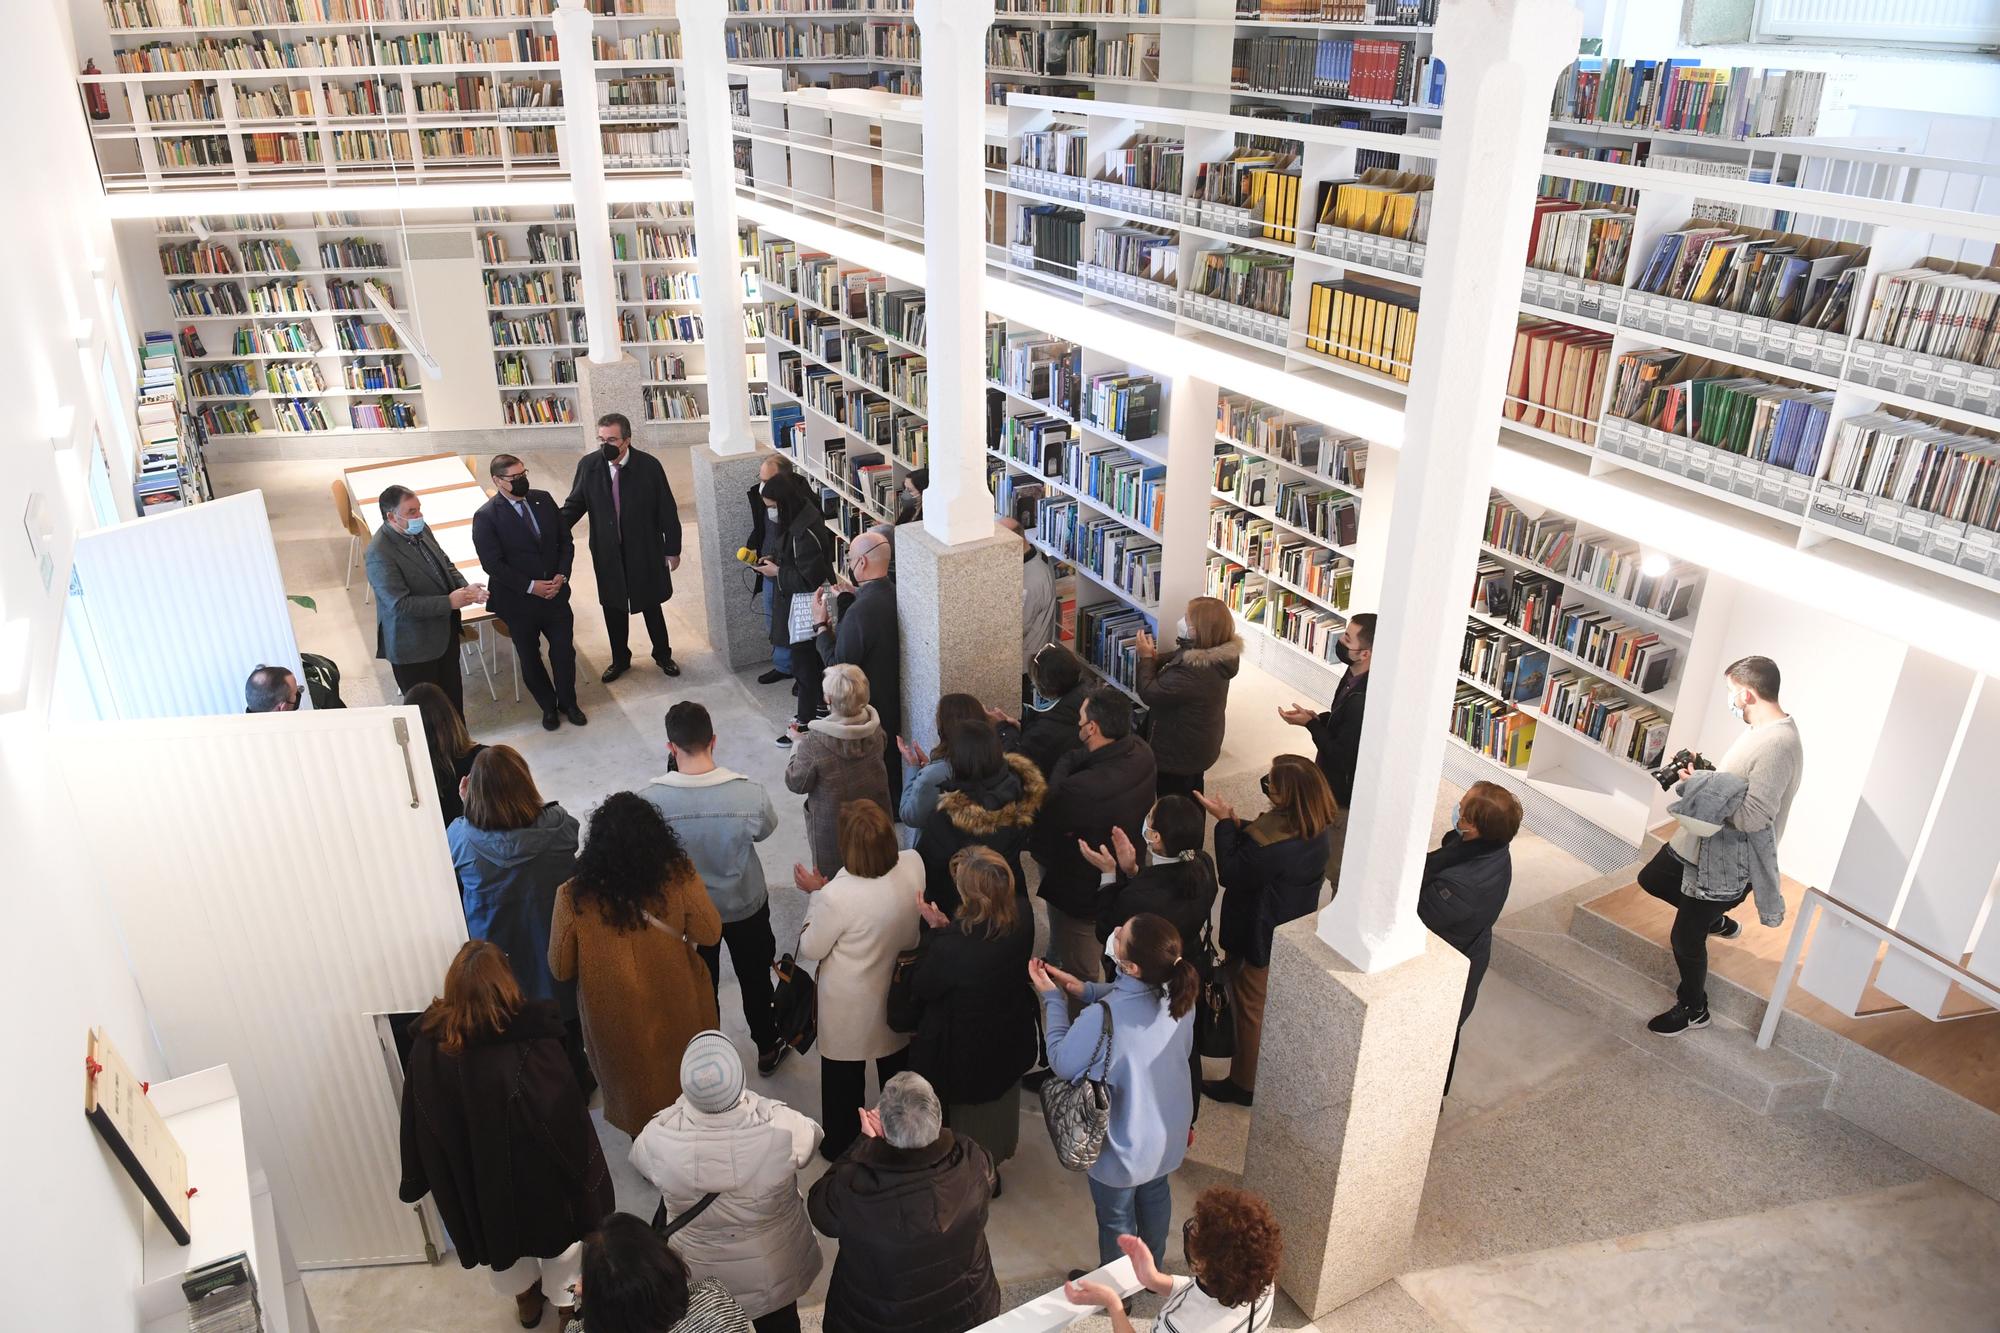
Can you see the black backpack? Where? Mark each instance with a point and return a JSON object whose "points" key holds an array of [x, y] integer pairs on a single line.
{"points": [[322, 680]]}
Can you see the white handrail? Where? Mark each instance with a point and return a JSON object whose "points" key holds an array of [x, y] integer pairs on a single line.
{"points": [[1809, 906]]}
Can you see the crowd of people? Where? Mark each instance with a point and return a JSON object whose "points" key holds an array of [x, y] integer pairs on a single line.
{"points": [[595, 956]]}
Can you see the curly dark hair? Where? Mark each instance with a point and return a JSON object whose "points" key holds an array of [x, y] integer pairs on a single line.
{"points": [[1233, 1244], [629, 852]]}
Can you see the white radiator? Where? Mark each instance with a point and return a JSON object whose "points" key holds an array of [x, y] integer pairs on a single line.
{"points": [[275, 885], [180, 607], [1836, 22]]}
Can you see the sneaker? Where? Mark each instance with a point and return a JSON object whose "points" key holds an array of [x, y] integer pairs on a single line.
{"points": [[1224, 1090], [771, 1057], [784, 740], [822, 711], [1677, 1020], [773, 676], [1726, 928]]}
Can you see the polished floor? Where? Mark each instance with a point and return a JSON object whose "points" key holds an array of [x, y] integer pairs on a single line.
{"points": [[1577, 1183]]}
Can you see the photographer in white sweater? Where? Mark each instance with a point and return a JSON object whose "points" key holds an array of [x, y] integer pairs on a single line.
{"points": [[1770, 760]]}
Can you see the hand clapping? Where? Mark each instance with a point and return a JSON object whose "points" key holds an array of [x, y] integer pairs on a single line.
{"points": [[1296, 714], [1218, 809], [913, 755], [807, 880]]}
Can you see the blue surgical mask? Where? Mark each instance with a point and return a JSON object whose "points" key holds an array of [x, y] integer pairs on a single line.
{"points": [[415, 526], [1454, 814], [1736, 709]]}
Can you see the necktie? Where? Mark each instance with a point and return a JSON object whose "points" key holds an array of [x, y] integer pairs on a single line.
{"points": [[431, 559], [617, 504], [528, 514]]}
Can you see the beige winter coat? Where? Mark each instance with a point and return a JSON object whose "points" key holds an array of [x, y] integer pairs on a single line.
{"points": [[754, 1238], [838, 759], [854, 929]]}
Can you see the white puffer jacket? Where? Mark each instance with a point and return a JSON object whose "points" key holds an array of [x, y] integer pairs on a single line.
{"points": [[754, 1238]]}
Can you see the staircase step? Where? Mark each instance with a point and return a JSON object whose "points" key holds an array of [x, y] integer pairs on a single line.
{"points": [[1724, 1055], [1730, 999]]}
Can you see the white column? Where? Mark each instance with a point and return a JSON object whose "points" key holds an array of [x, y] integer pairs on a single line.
{"points": [[957, 508], [583, 157], [1184, 536], [712, 172], [1501, 62]]}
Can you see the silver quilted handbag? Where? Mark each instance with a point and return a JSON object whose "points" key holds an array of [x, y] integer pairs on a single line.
{"points": [[1079, 1114]]}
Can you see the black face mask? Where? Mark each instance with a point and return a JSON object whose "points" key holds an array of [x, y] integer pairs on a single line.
{"points": [[1264, 785], [1340, 651], [610, 451], [518, 485]]}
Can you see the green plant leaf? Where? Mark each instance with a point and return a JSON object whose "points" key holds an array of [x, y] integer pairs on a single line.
{"points": [[307, 602]]}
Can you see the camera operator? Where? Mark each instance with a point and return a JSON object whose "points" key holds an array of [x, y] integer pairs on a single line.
{"points": [[1770, 760]]}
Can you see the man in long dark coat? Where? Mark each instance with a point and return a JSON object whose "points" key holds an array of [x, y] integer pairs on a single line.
{"points": [[635, 539]]}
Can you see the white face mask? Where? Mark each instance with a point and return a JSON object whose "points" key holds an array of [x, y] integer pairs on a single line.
{"points": [[1112, 949], [1738, 709], [1182, 635]]}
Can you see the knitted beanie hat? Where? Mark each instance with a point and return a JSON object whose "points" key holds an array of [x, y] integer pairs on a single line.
{"points": [[711, 1073]]}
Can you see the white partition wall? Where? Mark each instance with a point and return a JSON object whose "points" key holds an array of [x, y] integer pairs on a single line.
{"points": [[180, 607], [276, 879]]}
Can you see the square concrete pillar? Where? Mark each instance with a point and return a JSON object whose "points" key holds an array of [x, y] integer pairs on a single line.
{"points": [[722, 482], [609, 386], [960, 612], [1348, 1090]]}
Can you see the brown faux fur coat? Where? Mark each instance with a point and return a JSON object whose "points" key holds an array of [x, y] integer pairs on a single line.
{"points": [[997, 813]]}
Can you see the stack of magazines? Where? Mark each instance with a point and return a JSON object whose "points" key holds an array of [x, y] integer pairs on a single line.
{"points": [[222, 1297]]}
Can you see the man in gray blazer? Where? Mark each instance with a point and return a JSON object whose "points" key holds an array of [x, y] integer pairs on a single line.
{"points": [[418, 596]]}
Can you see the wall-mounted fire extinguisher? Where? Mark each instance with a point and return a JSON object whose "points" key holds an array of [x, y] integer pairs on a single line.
{"points": [[94, 99]]}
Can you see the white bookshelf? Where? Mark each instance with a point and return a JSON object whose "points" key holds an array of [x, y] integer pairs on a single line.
{"points": [[327, 355]]}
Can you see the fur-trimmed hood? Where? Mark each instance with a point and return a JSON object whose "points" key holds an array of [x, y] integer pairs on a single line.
{"points": [[1225, 657], [1008, 801]]}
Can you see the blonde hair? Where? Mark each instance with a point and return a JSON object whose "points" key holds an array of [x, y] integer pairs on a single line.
{"points": [[846, 690], [985, 884], [1209, 622]]}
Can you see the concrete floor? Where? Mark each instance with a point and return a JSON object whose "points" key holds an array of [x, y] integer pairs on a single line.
{"points": [[1576, 1183]]}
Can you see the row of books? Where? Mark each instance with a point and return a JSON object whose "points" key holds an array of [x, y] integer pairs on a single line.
{"points": [[1062, 150], [1955, 315], [257, 13], [1071, 51], [1534, 604], [1358, 69], [664, 404], [1121, 404], [1047, 370], [1942, 470], [383, 374], [533, 288], [1254, 279], [1517, 671], [1380, 202], [1374, 327], [1685, 97], [1772, 276], [1149, 162], [1546, 541], [1143, 252], [542, 330], [1383, 13], [357, 335], [170, 470], [445, 47], [1494, 729], [1107, 547], [1782, 425], [821, 41], [1260, 544], [521, 409], [383, 414], [1600, 712], [1589, 243], [906, 375], [1242, 590], [1107, 637], [236, 379], [1310, 445], [1556, 378]]}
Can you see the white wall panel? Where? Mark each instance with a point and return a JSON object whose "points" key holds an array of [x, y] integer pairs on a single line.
{"points": [[1956, 869], [183, 605], [1925, 710], [275, 886], [448, 305]]}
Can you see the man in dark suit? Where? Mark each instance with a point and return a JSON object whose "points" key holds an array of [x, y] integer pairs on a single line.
{"points": [[418, 596], [869, 637], [635, 539], [526, 551]]}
